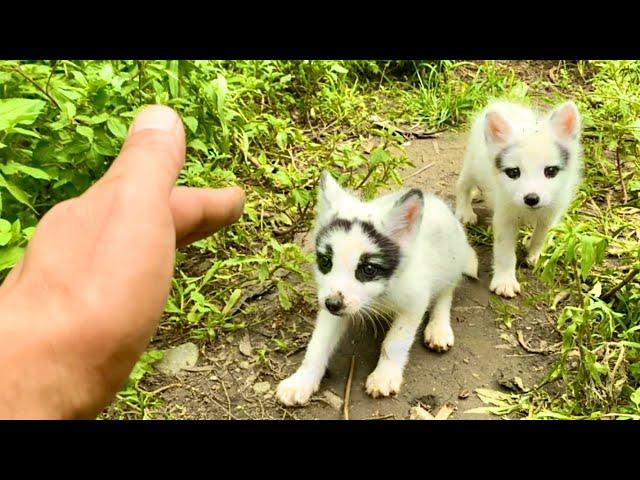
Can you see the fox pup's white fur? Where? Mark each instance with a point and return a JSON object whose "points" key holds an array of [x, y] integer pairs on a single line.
{"points": [[401, 254], [527, 167]]}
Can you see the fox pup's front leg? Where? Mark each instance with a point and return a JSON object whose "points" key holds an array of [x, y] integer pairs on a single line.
{"points": [[298, 388]]}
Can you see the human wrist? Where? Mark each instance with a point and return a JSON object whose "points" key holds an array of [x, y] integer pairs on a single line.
{"points": [[32, 378]]}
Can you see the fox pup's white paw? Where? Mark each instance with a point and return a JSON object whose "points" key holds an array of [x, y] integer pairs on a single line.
{"points": [[438, 336], [532, 259], [505, 285], [297, 389], [467, 216], [385, 380]]}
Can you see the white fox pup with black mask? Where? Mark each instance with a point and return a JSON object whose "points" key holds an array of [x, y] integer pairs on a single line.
{"points": [[402, 253], [527, 167]]}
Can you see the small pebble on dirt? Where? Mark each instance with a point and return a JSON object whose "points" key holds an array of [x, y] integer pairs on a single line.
{"points": [[177, 358], [332, 399], [464, 394], [262, 387]]}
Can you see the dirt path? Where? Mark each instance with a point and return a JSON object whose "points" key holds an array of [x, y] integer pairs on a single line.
{"points": [[485, 353]]}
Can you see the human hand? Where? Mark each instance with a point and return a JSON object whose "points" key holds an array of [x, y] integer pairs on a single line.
{"points": [[81, 306]]}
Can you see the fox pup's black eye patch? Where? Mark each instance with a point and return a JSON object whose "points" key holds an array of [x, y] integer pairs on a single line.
{"points": [[325, 260], [374, 267]]}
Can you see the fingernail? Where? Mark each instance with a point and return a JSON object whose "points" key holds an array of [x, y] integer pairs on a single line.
{"points": [[240, 205], [155, 117]]}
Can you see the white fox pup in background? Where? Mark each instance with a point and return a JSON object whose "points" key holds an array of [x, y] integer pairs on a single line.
{"points": [[527, 167], [400, 253]]}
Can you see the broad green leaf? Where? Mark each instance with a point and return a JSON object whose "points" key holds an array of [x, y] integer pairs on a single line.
{"points": [[103, 117], [635, 397], [24, 131], [9, 256], [117, 127], [588, 255], [5, 237], [283, 178], [339, 69], [16, 227], [191, 123], [5, 225], [106, 72], [198, 298], [15, 192], [281, 140], [28, 233], [13, 167], [171, 307], [301, 197], [85, 132], [70, 94], [19, 110], [70, 109], [198, 145], [378, 156]]}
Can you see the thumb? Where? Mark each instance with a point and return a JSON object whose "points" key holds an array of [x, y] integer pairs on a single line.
{"points": [[153, 152]]}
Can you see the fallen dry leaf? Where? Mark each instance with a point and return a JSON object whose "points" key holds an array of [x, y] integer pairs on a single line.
{"points": [[445, 412], [370, 145], [419, 413]]}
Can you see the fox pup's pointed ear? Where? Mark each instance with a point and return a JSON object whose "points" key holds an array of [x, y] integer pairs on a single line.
{"points": [[330, 192], [565, 122], [497, 130], [406, 215]]}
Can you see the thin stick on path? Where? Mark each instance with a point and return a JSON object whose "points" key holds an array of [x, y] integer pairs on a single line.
{"points": [[419, 171], [347, 391], [609, 295]]}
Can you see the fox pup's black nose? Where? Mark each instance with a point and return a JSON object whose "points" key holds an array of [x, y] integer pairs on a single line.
{"points": [[531, 199], [334, 304]]}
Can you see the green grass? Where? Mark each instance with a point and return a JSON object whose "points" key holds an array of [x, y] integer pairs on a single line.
{"points": [[272, 126]]}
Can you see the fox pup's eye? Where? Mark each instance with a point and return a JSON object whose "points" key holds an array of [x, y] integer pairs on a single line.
{"points": [[512, 173], [367, 271], [551, 172], [324, 263]]}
